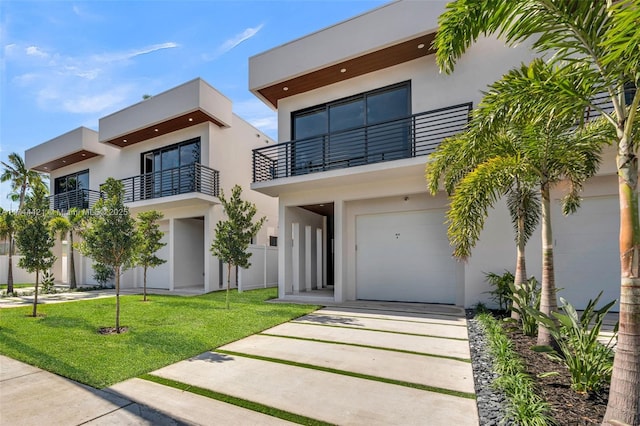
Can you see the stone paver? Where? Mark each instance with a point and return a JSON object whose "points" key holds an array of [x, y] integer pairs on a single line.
{"points": [[422, 328], [450, 374], [422, 344], [334, 398]]}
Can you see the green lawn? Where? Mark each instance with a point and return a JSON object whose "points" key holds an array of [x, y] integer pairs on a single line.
{"points": [[20, 285], [162, 331]]}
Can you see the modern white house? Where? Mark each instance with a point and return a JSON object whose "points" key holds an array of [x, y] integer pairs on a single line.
{"points": [[361, 105], [173, 152]]}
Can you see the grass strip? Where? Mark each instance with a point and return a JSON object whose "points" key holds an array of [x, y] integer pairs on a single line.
{"points": [[359, 345], [240, 402], [353, 374], [524, 404], [343, 315], [380, 330]]}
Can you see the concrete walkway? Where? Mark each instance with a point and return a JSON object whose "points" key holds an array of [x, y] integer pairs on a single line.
{"points": [[355, 364]]}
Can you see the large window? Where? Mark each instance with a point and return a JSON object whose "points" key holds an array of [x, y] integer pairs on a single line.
{"points": [[361, 129], [71, 190], [171, 170]]}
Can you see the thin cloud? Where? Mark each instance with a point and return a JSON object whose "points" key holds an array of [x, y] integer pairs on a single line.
{"points": [[233, 42], [123, 56], [79, 84]]}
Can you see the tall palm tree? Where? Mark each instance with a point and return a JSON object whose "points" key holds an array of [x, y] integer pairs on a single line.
{"points": [[460, 155], [8, 230], [21, 178], [69, 224], [521, 153], [595, 42]]}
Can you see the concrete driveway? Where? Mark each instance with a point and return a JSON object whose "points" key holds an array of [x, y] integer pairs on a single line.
{"points": [[352, 364]]}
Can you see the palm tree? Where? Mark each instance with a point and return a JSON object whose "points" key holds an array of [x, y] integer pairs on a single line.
{"points": [[595, 44], [8, 229], [69, 224], [460, 155], [517, 155], [21, 178]]}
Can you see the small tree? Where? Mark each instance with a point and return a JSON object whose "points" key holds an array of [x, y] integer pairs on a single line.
{"points": [[69, 225], [8, 229], [149, 236], [110, 237], [234, 234], [34, 238]]}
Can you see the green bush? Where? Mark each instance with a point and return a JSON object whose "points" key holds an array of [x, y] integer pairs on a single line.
{"points": [[47, 283], [501, 294], [525, 299], [589, 362]]}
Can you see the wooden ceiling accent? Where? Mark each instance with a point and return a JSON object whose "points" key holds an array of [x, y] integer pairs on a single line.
{"points": [[374, 61], [65, 161], [162, 128]]}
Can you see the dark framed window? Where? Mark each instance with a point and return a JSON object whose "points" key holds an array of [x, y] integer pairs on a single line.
{"points": [[170, 170], [360, 129], [71, 190]]}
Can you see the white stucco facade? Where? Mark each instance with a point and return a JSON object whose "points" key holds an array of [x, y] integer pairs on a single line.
{"points": [[192, 112], [367, 221]]}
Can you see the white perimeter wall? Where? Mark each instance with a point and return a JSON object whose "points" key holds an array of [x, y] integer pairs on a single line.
{"points": [[19, 275]]}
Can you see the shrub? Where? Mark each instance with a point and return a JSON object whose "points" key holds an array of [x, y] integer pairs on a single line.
{"points": [[48, 282], [526, 299], [501, 294], [589, 362]]}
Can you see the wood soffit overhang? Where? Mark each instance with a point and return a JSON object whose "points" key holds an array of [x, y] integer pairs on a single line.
{"points": [[178, 123], [370, 62], [65, 161]]}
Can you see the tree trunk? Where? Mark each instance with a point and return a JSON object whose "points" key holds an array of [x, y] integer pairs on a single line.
{"points": [[144, 284], [228, 283], [548, 301], [35, 296], [72, 264], [10, 272], [118, 299], [624, 395], [520, 277]]}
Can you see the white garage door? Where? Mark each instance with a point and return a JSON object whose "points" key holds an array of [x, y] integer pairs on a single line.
{"points": [[586, 251], [404, 257]]}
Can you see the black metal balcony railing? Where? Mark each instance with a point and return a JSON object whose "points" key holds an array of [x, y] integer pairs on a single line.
{"points": [[407, 137], [78, 198], [179, 180]]}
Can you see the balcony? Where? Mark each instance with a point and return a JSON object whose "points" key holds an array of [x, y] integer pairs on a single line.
{"points": [[79, 198], [179, 180], [417, 135]]}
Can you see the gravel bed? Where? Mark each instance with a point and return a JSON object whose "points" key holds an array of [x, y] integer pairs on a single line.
{"points": [[491, 403]]}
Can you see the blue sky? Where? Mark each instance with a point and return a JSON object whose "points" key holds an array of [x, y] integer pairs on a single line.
{"points": [[64, 64]]}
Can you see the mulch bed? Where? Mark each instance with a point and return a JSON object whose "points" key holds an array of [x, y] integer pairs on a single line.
{"points": [[567, 406]]}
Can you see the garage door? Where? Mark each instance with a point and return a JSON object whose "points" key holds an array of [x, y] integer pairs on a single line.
{"points": [[586, 251], [404, 257]]}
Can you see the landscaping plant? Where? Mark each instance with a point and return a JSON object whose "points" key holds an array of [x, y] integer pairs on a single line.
{"points": [[34, 238], [594, 45], [525, 406], [233, 235], [589, 362], [149, 236], [502, 284], [69, 224], [525, 300], [8, 230], [110, 237]]}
